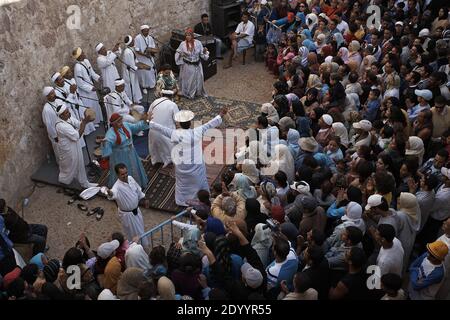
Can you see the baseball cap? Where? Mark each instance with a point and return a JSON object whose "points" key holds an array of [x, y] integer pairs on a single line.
{"points": [[106, 249], [365, 125], [252, 276], [374, 201], [425, 93], [353, 211]]}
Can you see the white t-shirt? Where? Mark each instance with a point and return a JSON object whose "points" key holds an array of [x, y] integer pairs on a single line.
{"points": [[248, 29], [391, 260]]}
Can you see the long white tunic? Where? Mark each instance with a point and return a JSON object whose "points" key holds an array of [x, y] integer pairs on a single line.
{"points": [[129, 74], [119, 102], [49, 117], [71, 161], [191, 75], [108, 69], [187, 156], [147, 78], [85, 77], [160, 146], [127, 196]]}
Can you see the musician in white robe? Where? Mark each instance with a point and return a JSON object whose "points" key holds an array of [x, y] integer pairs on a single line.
{"points": [[127, 193], [129, 71], [188, 57], [86, 80], [119, 102], [106, 64], [145, 48], [66, 91], [71, 160], [187, 154], [163, 110], [49, 117]]}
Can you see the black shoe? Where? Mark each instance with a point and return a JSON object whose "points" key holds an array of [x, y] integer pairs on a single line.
{"points": [[99, 214]]}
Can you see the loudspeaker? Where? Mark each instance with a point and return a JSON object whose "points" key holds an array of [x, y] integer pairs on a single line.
{"points": [[225, 18]]}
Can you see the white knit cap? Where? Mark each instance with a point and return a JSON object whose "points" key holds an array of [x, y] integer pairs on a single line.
{"points": [[61, 108], [327, 119], [119, 82], [46, 91], [55, 76], [99, 47], [128, 40], [144, 26]]}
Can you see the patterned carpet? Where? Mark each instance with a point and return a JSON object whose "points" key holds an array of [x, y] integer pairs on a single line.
{"points": [[241, 114]]}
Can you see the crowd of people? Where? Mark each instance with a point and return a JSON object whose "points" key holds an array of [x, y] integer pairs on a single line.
{"points": [[358, 206]]}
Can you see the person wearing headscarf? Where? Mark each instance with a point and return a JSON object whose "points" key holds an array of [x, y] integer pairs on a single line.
{"points": [[283, 161], [303, 127], [320, 43], [303, 54], [106, 294], [392, 86], [343, 54], [267, 197], [185, 277], [309, 44], [314, 82], [409, 217], [166, 289], [354, 55], [415, 147], [250, 171], [128, 286], [292, 138], [313, 62], [262, 242], [214, 225], [254, 215], [243, 187], [341, 131], [366, 63], [135, 256], [190, 240], [269, 111], [339, 39]]}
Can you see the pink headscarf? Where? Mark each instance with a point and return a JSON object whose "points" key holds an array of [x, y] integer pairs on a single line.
{"points": [[343, 53]]}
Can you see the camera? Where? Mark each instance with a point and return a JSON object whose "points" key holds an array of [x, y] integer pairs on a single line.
{"points": [[271, 224]]}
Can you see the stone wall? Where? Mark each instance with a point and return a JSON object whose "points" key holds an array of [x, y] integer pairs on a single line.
{"points": [[35, 41]]}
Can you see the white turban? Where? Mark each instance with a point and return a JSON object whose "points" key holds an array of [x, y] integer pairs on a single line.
{"points": [[128, 40], [99, 47], [168, 92], [46, 91], [119, 82], [55, 76], [144, 26], [327, 119], [61, 108]]}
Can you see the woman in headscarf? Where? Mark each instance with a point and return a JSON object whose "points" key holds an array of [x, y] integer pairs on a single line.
{"points": [[311, 100], [135, 256], [267, 197], [313, 63], [307, 34], [354, 55], [303, 53], [269, 111], [262, 242], [166, 289], [320, 43], [343, 54], [248, 168], [410, 218], [314, 82], [283, 162], [415, 147], [366, 63], [185, 277], [243, 187], [338, 40], [341, 131], [128, 286], [392, 86], [310, 45], [254, 215], [292, 138]]}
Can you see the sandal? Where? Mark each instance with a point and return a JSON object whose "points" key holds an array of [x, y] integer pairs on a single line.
{"points": [[82, 207], [93, 211], [99, 214], [69, 192]]}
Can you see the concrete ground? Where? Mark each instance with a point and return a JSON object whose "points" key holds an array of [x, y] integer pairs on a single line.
{"points": [[250, 82]]}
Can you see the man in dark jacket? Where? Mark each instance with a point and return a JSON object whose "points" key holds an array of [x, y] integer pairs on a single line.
{"points": [[204, 28]]}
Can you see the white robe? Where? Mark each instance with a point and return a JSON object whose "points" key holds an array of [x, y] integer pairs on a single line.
{"points": [[127, 196], [108, 69], [160, 146], [187, 155], [119, 102], [191, 76], [129, 74], [71, 161], [49, 117], [147, 78], [84, 76]]}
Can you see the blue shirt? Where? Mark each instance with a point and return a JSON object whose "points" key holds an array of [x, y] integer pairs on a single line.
{"points": [[372, 110]]}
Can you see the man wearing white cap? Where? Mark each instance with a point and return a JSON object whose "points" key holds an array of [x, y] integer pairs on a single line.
{"points": [[163, 110], [145, 49], [187, 154], [423, 96], [106, 63], [71, 161], [363, 136], [86, 79], [50, 116], [129, 71], [326, 130], [118, 102]]}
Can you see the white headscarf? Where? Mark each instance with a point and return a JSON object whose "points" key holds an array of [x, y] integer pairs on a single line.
{"points": [[135, 256], [344, 54], [303, 53], [283, 162], [341, 131]]}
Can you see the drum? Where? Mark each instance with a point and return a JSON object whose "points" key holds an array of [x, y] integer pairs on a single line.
{"points": [[90, 113]]}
